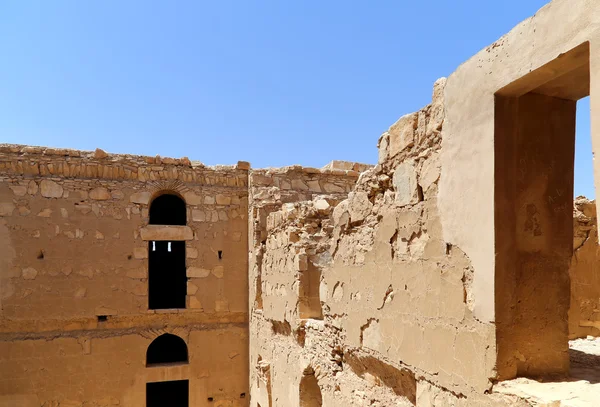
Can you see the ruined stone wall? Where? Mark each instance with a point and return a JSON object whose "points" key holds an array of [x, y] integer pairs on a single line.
{"points": [[395, 324], [74, 317], [584, 311]]}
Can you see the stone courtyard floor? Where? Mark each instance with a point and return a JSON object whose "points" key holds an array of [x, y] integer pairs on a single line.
{"points": [[582, 389]]}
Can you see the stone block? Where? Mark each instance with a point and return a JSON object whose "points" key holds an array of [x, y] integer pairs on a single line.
{"points": [[29, 273], [218, 271], [192, 199], [359, 206], [402, 134], [51, 189], [223, 200], [19, 190], [100, 194], [405, 184], [197, 272], [140, 197], [168, 233]]}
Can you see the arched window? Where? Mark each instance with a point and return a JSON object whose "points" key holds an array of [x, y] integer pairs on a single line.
{"points": [[168, 209], [310, 392], [167, 348]]}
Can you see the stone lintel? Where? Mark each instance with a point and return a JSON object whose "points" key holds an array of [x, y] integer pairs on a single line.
{"points": [[166, 232]]}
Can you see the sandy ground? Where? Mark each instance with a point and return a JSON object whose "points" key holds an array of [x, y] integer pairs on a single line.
{"points": [[582, 389]]}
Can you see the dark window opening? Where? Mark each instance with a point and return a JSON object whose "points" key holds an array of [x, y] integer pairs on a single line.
{"points": [[172, 394], [210, 399], [167, 348], [168, 210], [40, 255], [102, 318], [220, 254], [167, 281]]}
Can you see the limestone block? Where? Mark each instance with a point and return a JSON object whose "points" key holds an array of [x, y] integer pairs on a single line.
{"points": [[430, 172], [194, 303], [192, 199], [32, 188], [168, 233], [45, 213], [117, 194], [29, 273], [359, 206], [236, 236], [99, 154], [197, 272], [322, 205], [209, 200], [140, 197], [402, 134], [405, 184], [24, 211], [64, 213], [330, 188], [18, 190], [51, 189], [223, 199], [218, 271], [299, 184], [243, 165], [99, 235], [191, 288], [83, 208], [191, 253], [198, 215], [223, 215], [6, 208], [340, 213]]}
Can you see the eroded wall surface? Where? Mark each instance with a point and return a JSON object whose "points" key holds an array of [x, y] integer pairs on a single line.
{"points": [[395, 324], [74, 317], [584, 311]]}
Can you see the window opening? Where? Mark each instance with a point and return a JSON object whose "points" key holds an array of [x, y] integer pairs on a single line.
{"points": [[167, 280], [167, 348], [168, 209]]}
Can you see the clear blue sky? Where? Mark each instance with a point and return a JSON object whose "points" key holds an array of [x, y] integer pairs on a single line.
{"points": [[271, 82]]}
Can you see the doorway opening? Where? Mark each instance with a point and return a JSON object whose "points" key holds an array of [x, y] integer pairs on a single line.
{"points": [[167, 280], [534, 148], [172, 394]]}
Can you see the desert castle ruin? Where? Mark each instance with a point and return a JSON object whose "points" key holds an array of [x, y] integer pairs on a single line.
{"points": [[455, 272]]}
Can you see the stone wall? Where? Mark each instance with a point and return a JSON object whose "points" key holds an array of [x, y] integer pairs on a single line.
{"points": [[584, 311], [74, 317], [362, 294]]}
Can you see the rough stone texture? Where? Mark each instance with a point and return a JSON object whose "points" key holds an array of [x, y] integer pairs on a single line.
{"points": [[428, 280], [72, 229], [584, 311]]}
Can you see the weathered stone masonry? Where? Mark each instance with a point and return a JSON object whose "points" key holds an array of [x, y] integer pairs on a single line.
{"points": [[451, 274], [75, 323]]}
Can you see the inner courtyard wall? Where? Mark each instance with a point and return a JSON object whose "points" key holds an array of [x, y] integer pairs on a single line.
{"points": [[397, 324], [74, 319]]}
